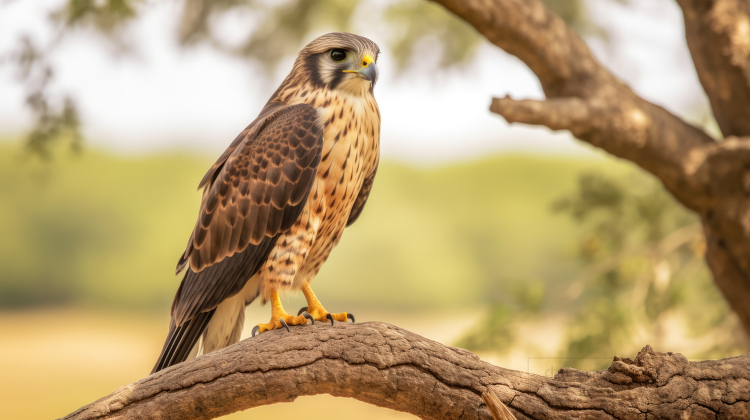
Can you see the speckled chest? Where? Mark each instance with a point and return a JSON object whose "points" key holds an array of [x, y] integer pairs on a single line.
{"points": [[351, 149]]}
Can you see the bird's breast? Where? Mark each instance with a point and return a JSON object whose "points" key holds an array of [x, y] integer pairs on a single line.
{"points": [[351, 150]]}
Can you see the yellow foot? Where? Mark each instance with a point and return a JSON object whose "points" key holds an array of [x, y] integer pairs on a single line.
{"points": [[316, 310], [279, 317], [323, 315]]}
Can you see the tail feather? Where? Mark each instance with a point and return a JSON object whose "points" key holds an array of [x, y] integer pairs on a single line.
{"points": [[181, 340], [202, 294]]}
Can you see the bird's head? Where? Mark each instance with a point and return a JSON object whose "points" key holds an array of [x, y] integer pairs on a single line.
{"points": [[340, 61]]}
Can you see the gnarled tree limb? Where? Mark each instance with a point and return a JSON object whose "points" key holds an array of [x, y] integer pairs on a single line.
{"points": [[709, 177], [390, 367], [718, 35]]}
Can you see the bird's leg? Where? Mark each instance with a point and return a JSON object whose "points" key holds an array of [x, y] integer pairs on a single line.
{"points": [[316, 309], [279, 317]]}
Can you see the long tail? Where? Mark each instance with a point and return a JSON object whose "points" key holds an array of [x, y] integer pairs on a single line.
{"points": [[181, 340], [219, 293]]}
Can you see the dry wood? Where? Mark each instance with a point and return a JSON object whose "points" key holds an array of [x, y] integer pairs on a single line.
{"points": [[498, 410], [709, 177], [717, 34], [390, 367]]}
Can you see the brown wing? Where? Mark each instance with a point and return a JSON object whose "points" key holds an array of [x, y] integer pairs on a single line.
{"points": [[251, 194], [364, 194], [249, 131]]}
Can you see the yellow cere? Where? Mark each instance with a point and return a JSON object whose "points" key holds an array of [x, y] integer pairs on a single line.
{"points": [[366, 61]]}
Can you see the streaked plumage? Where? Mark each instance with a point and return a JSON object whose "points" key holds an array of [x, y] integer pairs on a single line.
{"points": [[278, 199]]}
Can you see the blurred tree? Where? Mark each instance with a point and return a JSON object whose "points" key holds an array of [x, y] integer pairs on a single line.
{"points": [[645, 273], [281, 29], [56, 117], [498, 329], [104, 16]]}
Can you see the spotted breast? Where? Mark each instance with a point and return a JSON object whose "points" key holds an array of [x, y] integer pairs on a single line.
{"points": [[351, 150]]}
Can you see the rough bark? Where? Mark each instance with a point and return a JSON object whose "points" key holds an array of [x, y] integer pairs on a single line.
{"points": [[390, 367], [718, 35], [709, 177]]}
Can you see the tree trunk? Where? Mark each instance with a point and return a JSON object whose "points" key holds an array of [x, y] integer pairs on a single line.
{"points": [[709, 177], [390, 367]]}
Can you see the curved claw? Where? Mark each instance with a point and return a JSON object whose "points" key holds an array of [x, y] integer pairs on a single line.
{"points": [[302, 309], [330, 317], [284, 324], [308, 316], [256, 330], [350, 316]]}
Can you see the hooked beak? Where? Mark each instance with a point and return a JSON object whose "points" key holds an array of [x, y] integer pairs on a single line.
{"points": [[369, 70]]}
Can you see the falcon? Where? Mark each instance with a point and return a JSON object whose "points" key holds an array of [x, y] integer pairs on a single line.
{"points": [[277, 200]]}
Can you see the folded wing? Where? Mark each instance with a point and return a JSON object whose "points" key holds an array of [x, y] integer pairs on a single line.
{"points": [[255, 193]]}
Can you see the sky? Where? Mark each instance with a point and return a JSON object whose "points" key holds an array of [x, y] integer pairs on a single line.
{"points": [[159, 97]]}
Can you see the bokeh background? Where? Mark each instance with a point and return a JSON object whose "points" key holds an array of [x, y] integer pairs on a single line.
{"points": [[521, 244]]}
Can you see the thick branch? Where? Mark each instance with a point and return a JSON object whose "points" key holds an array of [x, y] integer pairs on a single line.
{"points": [[621, 122], [387, 366], [718, 35], [583, 97]]}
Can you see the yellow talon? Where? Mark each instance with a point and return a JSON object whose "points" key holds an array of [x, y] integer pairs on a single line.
{"points": [[279, 317], [318, 312]]}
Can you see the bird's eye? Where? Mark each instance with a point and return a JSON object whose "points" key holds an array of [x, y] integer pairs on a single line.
{"points": [[338, 55]]}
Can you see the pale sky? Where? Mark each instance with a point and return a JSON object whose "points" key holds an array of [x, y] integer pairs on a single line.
{"points": [[163, 98]]}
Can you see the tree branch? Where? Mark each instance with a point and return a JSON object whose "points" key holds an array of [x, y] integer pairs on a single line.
{"points": [[390, 367], [622, 123], [718, 35], [585, 98]]}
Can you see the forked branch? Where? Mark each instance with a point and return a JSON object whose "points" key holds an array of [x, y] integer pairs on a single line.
{"points": [[709, 177], [584, 97], [390, 367]]}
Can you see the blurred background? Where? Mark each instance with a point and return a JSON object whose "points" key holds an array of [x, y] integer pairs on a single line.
{"points": [[548, 254]]}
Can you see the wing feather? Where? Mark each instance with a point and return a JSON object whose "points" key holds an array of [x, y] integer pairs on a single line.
{"points": [[250, 197], [259, 177], [364, 194]]}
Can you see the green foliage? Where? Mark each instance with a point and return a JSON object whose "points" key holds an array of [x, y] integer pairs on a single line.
{"points": [[286, 28], [643, 251], [416, 20], [492, 334], [82, 231], [529, 295], [56, 117], [104, 16], [643, 278], [283, 27], [496, 332]]}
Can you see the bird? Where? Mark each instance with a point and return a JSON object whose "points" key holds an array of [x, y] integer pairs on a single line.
{"points": [[277, 201]]}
